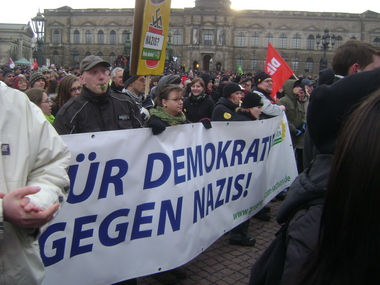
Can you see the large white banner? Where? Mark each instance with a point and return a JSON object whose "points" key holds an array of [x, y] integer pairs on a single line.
{"points": [[140, 204]]}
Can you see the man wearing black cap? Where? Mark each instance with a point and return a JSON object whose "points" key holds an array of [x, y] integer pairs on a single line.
{"points": [[263, 82], [95, 109]]}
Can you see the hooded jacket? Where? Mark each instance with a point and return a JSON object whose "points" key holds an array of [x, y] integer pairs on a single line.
{"points": [[295, 112]]}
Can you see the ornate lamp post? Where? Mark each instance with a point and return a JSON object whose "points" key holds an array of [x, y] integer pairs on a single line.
{"points": [[324, 40], [127, 49], [169, 53], [39, 29]]}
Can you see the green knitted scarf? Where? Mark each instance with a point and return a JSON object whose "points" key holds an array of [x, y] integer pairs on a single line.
{"points": [[171, 120]]}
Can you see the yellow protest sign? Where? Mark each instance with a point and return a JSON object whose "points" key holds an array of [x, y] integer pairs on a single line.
{"points": [[150, 33]]}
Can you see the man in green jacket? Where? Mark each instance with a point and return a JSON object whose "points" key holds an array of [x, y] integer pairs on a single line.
{"points": [[295, 103]]}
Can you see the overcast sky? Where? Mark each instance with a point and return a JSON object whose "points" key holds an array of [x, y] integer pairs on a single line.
{"points": [[22, 10]]}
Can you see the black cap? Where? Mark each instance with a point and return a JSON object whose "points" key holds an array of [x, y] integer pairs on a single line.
{"points": [[90, 61], [251, 100], [230, 88], [260, 77]]}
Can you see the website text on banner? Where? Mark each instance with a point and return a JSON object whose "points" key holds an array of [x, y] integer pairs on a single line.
{"points": [[141, 204]]}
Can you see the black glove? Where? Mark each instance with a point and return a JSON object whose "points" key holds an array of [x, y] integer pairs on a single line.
{"points": [[303, 128], [157, 126], [206, 123]]}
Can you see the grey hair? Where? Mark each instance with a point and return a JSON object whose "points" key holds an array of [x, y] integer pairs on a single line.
{"points": [[116, 70]]}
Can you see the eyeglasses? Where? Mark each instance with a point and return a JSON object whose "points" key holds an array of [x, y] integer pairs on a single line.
{"points": [[177, 99], [76, 89], [48, 101]]}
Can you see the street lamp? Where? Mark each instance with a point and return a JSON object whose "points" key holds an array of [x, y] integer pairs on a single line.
{"points": [[127, 48], [39, 29], [325, 40], [169, 52]]}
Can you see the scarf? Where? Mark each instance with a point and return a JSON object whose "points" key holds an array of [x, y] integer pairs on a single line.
{"points": [[166, 117], [50, 118]]}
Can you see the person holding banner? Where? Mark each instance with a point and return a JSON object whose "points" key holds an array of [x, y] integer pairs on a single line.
{"points": [[168, 109], [34, 184], [95, 109], [168, 112], [225, 109], [263, 87]]}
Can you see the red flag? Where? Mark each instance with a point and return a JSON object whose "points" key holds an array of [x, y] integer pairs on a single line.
{"points": [[35, 64], [276, 67]]}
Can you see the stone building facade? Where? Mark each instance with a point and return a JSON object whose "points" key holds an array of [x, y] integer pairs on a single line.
{"points": [[15, 42], [209, 36]]}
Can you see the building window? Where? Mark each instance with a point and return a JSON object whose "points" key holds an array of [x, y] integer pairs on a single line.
{"points": [[113, 37], [100, 37], [240, 61], [297, 41], [76, 37], [240, 40], [283, 41], [88, 37], [56, 59], [177, 37], [87, 53], [309, 65], [295, 64], [254, 63], [376, 42], [112, 57], [124, 36], [310, 43], [255, 40], [268, 38], [208, 38], [353, 38], [56, 37], [100, 54], [338, 41]]}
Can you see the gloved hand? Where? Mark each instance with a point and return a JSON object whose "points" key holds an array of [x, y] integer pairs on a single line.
{"points": [[157, 126], [206, 123], [298, 133], [303, 128]]}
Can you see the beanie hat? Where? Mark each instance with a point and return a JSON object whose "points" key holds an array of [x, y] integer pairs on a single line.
{"points": [[230, 88], [297, 83], [90, 61], [330, 106], [260, 77], [7, 71], [129, 79], [36, 76], [251, 100]]}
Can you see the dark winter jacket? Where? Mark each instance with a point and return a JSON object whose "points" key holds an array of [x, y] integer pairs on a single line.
{"points": [[198, 107], [225, 110], [303, 230], [90, 112]]}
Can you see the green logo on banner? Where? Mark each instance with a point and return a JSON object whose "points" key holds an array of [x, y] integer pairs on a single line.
{"points": [[151, 54]]}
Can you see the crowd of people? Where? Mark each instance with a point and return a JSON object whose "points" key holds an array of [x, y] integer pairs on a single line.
{"points": [[98, 97]]}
